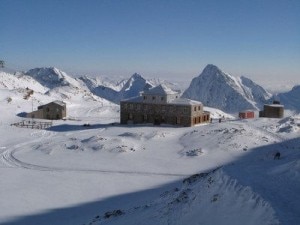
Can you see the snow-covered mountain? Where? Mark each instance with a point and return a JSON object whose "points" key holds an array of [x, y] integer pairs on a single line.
{"points": [[218, 173], [58, 84], [52, 77], [93, 82], [19, 81], [290, 99], [254, 92], [215, 88], [115, 91], [43, 85], [134, 86]]}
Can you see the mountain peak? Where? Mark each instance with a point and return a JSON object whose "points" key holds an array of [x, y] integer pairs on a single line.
{"points": [[51, 77], [211, 69], [136, 76], [218, 89]]}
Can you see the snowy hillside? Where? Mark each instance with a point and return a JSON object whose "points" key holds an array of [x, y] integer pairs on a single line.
{"points": [[115, 91], [107, 173], [254, 92], [94, 82], [52, 77], [20, 81], [290, 99], [217, 89], [23, 93]]}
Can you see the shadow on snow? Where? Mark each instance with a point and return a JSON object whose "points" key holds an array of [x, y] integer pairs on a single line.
{"points": [[257, 169]]}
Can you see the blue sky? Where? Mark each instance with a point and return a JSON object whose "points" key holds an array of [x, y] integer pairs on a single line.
{"points": [[259, 39]]}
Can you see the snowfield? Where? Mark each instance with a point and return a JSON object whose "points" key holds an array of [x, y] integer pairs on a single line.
{"points": [[89, 169], [71, 174]]}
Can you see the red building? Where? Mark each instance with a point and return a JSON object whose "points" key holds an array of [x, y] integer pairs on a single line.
{"points": [[246, 115]]}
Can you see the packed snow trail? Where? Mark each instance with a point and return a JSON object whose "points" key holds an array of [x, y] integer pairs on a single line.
{"points": [[9, 159]]}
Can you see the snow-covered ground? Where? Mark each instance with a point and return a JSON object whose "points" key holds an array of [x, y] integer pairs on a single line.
{"points": [[72, 174], [107, 173]]}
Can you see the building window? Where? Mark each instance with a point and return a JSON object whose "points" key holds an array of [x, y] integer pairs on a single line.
{"points": [[131, 106], [47, 109], [145, 97], [199, 107], [130, 116], [138, 107], [162, 98], [195, 108], [153, 98]]}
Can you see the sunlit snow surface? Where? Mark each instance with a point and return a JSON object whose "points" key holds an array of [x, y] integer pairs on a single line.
{"points": [[107, 173]]}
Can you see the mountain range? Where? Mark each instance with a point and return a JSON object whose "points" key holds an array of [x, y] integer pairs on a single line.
{"points": [[213, 87]]}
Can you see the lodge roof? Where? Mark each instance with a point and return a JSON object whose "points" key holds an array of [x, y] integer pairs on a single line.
{"points": [[177, 101], [61, 103]]}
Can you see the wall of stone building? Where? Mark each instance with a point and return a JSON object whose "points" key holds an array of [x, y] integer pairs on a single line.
{"points": [[50, 111], [36, 114], [53, 111], [272, 112], [182, 115]]}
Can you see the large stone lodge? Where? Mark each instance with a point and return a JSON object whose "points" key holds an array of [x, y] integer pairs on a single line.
{"points": [[161, 105]]}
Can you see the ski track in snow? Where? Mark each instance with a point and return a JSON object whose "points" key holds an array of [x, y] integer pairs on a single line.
{"points": [[7, 156]]}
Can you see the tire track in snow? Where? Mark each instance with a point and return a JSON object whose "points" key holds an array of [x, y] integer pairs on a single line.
{"points": [[8, 158]]}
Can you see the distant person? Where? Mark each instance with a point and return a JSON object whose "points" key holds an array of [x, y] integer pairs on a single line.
{"points": [[277, 155]]}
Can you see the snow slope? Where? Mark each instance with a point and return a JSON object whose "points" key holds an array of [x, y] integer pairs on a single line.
{"points": [[217, 89], [107, 173], [290, 99], [52, 77], [20, 81], [115, 91]]}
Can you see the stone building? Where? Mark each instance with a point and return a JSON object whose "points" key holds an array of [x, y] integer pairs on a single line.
{"points": [[51, 111], [162, 105], [272, 111]]}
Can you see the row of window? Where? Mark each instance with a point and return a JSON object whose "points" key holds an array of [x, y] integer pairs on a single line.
{"points": [[131, 106], [197, 119], [153, 98]]}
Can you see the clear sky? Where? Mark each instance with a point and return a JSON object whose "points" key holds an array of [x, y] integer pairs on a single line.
{"points": [[156, 38]]}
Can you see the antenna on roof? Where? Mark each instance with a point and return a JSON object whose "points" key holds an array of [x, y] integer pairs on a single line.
{"points": [[2, 63]]}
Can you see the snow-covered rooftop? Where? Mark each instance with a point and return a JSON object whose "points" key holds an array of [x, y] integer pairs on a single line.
{"points": [[177, 101], [185, 101], [275, 105], [61, 103]]}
